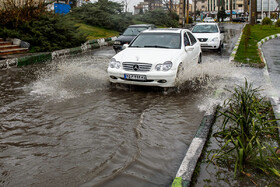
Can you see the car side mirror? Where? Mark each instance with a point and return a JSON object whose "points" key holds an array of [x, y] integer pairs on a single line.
{"points": [[189, 48], [222, 31], [125, 46]]}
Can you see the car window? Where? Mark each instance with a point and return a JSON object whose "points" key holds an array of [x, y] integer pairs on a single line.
{"points": [[133, 31], [207, 28], [193, 40], [186, 40], [157, 40]]}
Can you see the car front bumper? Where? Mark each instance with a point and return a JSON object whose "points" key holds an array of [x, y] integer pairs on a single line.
{"points": [[210, 45], [154, 78]]}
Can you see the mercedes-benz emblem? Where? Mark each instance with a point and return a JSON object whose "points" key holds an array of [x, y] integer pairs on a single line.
{"points": [[135, 67]]}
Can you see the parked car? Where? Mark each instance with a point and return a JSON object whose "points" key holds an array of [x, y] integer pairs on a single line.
{"points": [[155, 58], [208, 20], [227, 19], [239, 19], [129, 34], [209, 35]]}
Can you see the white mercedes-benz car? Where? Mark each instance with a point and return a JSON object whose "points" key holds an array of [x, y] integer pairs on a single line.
{"points": [[209, 35], [155, 58]]}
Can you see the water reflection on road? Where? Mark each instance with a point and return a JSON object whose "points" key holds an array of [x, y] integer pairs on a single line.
{"points": [[63, 124]]}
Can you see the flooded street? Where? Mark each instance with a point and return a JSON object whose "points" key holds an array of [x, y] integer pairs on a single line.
{"points": [[63, 124]]}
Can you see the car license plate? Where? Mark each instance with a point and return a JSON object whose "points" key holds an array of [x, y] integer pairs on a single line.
{"points": [[135, 77]]}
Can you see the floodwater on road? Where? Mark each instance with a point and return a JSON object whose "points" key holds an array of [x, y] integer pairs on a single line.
{"points": [[63, 124]]}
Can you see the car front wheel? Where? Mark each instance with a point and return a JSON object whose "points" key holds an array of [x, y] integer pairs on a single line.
{"points": [[200, 59], [179, 75]]}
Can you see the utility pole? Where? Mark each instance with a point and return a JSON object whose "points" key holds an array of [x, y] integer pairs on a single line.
{"points": [[253, 12], [188, 4], [219, 8], [182, 12], [194, 10], [230, 10]]}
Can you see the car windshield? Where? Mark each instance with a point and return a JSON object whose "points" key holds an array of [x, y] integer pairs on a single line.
{"points": [[133, 31], [205, 29], [158, 40]]}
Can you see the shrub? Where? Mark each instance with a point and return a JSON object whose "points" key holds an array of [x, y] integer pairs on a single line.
{"points": [[249, 135], [46, 33], [266, 21], [104, 13], [277, 24], [159, 17], [13, 14]]}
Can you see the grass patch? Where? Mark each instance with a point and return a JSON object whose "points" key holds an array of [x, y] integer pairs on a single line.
{"points": [[95, 32], [247, 52]]}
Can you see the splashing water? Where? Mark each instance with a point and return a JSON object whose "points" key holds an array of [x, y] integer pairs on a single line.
{"points": [[68, 78]]}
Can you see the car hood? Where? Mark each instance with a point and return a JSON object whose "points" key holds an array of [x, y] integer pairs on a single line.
{"points": [[147, 55], [206, 35], [125, 39]]}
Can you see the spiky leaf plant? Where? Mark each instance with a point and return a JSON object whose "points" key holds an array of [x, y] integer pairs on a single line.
{"points": [[249, 135]]}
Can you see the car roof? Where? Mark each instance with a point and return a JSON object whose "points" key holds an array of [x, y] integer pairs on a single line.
{"points": [[142, 25], [164, 30], [207, 23]]}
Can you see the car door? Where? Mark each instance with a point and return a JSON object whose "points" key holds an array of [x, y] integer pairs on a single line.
{"points": [[196, 47], [187, 52]]}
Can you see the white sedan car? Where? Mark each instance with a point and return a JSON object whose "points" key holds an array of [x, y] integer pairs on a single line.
{"points": [[209, 35], [155, 58], [208, 20]]}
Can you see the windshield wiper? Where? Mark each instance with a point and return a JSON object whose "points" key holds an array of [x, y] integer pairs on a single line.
{"points": [[156, 46]]}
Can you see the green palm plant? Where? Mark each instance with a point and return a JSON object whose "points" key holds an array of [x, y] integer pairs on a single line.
{"points": [[249, 133]]}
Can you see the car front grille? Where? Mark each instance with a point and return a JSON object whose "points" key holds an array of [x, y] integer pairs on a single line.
{"points": [[202, 39], [136, 66]]}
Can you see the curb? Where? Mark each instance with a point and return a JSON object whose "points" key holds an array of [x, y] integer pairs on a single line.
{"points": [[234, 51], [274, 99], [188, 165], [48, 56]]}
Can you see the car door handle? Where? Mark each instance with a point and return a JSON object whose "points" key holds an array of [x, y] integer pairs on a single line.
{"points": [[189, 48]]}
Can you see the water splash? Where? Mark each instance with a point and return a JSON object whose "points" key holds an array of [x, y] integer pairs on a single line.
{"points": [[68, 78]]}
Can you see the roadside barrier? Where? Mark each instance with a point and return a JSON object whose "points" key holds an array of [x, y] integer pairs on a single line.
{"points": [[48, 56]]}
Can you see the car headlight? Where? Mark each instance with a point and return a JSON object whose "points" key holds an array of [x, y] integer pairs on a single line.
{"points": [[158, 67], [216, 39], [114, 64], [117, 43], [164, 67]]}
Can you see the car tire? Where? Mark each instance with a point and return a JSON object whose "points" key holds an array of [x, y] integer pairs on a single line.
{"points": [[200, 59], [179, 75], [220, 48]]}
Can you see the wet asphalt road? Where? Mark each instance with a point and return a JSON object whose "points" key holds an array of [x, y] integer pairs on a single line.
{"points": [[271, 53], [63, 124]]}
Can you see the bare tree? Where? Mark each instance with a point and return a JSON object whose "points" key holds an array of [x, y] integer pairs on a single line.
{"points": [[126, 3], [171, 5]]}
